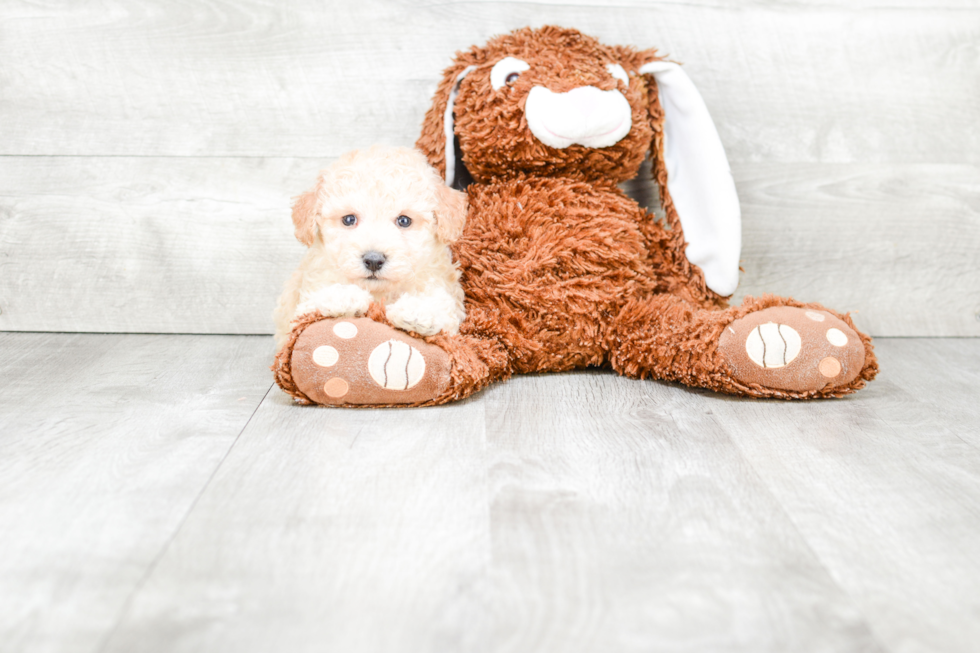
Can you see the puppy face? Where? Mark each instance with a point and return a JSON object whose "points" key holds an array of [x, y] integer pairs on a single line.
{"points": [[379, 217]]}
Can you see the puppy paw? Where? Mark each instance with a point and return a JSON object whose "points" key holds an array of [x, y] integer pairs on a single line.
{"points": [[794, 349], [426, 315], [336, 300]]}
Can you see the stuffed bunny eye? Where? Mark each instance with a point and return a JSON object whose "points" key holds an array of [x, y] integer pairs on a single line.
{"points": [[506, 71], [617, 71], [349, 220]]}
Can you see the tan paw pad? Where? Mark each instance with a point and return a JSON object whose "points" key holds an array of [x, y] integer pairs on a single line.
{"points": [[793, 349], [345, 330], [829, 367], [325, 356], [396, 366], [357, 361], [836, 337], [773, 345], [336, 387]]}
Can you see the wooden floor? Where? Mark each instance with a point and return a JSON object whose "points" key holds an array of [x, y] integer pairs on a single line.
{"points": [[157, 494]]}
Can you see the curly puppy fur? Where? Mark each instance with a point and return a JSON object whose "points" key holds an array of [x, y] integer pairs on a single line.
{"points": [[417, 281], [561, 269]]}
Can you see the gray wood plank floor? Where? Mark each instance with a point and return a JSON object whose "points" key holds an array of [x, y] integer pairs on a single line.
{"points": [[155, 495]]}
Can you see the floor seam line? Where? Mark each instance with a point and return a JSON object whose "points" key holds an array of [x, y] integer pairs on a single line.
{"points": [[806, 542], [180, 525]]}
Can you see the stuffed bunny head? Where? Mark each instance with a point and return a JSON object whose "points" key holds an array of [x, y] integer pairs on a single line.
{"points": [[549, 101]]}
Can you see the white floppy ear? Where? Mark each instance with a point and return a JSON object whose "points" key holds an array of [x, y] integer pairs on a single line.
{"points": [[699, 179], [450, 128]]}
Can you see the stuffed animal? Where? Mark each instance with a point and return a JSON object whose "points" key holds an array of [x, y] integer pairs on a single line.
{"points": [[561, 269]]}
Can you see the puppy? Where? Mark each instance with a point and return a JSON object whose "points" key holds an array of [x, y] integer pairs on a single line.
{"points": [[377, 224]]}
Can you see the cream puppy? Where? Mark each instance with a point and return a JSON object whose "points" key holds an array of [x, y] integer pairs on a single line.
{"points": [[377, 224]]}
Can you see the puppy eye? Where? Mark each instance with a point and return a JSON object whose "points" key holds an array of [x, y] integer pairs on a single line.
{"points": [[403, 221], [617, 71], [349, 220], [506, 71]]}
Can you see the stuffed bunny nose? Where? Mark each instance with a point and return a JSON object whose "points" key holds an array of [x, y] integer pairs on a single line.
{"points": [[374, 261], [585, 115]]}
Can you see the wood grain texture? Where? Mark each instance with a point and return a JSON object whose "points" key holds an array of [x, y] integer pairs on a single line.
{"points": [[851, 127], [329, 530], [885, 488], [194, 245], [623, 520], [789, 82], [105, 443], [204, 245], [944, 375], [565, 513], [895, 244], [561, 513]]}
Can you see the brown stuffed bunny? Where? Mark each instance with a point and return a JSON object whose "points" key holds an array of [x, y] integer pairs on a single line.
{"points": [[561, 269]]}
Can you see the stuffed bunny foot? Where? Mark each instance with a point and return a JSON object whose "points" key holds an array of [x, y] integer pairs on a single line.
{"points": [[794, 349], [358, 361]]}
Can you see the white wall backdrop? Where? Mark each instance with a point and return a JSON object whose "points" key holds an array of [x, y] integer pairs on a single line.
{"points": [[149, 150]]}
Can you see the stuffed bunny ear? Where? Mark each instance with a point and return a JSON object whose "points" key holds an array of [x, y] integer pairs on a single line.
{"points": [[304, 217], [699, 179], [452, 178], [438, 139]]}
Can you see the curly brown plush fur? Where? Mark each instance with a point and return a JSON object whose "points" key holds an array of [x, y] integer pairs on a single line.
{"points": [[561, 269]]}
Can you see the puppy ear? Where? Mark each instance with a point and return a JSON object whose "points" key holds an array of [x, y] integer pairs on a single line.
{"points": [[700, 190], [304, 217], [450, 213], [438, 137]]}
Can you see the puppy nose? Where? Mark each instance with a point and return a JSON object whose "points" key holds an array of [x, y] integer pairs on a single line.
{"points": [[374, 260]]}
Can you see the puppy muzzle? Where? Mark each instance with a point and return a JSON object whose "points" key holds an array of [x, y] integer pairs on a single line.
{"points": [[373, 262]]}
